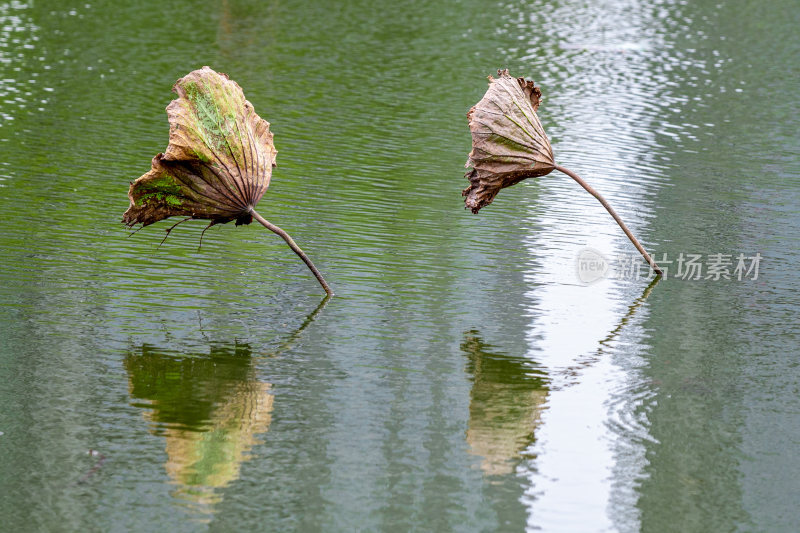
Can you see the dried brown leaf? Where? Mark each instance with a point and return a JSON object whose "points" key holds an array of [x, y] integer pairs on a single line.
{"points": [[219, 160], [508, 140]]}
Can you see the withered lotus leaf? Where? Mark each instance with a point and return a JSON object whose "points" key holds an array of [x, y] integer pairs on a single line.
{"points": [[508, 140], [218, 163], [219, 160], [509, 145]]}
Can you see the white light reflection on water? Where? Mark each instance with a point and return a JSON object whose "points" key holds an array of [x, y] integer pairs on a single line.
{"points": [[589, 452], [18, 38]]}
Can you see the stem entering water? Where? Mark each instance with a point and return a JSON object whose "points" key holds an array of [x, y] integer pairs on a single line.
{"points": [[614, 214], [285, 236]]}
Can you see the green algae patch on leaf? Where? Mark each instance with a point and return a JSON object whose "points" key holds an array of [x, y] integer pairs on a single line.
{"points": [[219, 160]]}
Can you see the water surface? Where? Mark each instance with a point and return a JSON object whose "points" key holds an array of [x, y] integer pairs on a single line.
{"points": [[463, 378]]}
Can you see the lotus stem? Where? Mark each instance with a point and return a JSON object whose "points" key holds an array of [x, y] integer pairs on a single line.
{"points": [[293, 245], [614, 214]]}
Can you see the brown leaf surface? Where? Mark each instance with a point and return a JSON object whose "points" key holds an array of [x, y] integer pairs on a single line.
{"points": [[219, 160], [508, 141]]}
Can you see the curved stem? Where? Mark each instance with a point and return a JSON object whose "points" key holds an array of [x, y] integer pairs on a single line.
{"points": [[285, 236], [614, 214]]}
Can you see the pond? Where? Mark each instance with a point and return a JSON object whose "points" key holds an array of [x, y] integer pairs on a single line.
{"points": [[467, 375]]}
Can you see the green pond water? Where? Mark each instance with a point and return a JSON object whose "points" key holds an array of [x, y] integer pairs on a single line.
{"points": [[464, 377]]}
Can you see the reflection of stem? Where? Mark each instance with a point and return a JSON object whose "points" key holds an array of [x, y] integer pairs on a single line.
{"points": [[101, 459], [631, 311], [637, 303], [614, 214], [309, 319], [285, 236]]}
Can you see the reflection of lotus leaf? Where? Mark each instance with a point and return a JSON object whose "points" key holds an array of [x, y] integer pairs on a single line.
{"points": [[501, 430], [212, 459], [506, 402], [210, 410]]}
